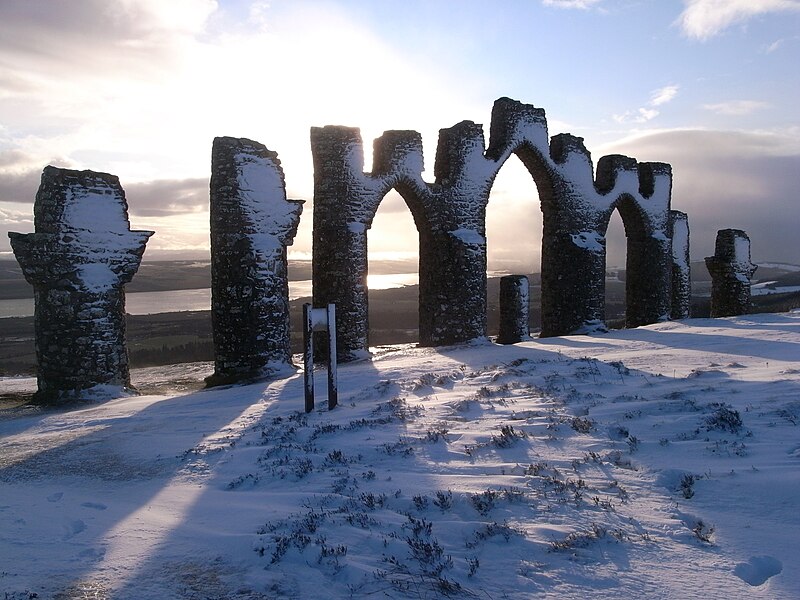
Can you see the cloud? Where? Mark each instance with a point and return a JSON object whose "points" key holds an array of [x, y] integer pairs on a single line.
{"points": [[647, 113], [167, 197], [13, 219], [724, 179], [19, 187], [704, 19], [663, 95], [736, 107], [581, 4], [90, 30]]}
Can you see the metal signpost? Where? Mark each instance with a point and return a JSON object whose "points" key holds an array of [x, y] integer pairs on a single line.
{"points": [[319, 319]]}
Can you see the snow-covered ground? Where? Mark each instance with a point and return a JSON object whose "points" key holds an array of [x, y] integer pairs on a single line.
{"points": [[660, 462]]}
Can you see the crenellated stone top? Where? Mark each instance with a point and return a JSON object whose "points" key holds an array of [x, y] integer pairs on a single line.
{"points": [[464, 170]]}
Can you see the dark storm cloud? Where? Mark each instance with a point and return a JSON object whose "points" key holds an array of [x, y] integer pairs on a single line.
{"points": [[738, 180], [159, 198], [167, 197], [19, 186]]}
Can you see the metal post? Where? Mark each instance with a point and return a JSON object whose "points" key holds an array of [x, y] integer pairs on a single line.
{"points": [[333, 391], [319, 319], [308, 356]]}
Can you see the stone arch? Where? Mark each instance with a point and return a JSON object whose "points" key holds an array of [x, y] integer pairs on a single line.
{"points": [[346, 200], [523, 206], [450, 217], [573, 249], [645, 213]]}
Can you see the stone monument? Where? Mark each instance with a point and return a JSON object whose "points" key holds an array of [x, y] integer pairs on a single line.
{"points": [[78, 260], [450, 216], [252, 223], [514, 309], [730, 270]]}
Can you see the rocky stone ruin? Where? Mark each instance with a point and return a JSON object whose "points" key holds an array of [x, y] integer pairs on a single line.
{"points": [[731, 272], [81, 255], [450, 217], [83, 250], [681, 269], [514, 309], [252, 223]]}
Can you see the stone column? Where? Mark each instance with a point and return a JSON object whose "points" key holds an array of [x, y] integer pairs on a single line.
{"points": [[573, 245], [514, 309], [342, 195], [648, 270], [78, 260], [681, 270], [730, 270], [252, 223], [453, 306], [648, 274]]}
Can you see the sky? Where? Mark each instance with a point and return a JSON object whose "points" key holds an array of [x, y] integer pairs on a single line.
{"points": [[139, 88]]}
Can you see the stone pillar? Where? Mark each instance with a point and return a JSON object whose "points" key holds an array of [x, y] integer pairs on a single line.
{"points": [[78, 260], [730, 270], [573, 245], [514, 309], [252, 223], [681, 270], [339, 253], [455, 286], [648, 270]]}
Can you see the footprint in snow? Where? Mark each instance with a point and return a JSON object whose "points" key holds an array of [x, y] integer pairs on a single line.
{"points": [[74, 528], [55, 497], [758, 569]]}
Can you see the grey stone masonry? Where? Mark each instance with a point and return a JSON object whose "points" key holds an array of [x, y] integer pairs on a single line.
{"points": [[681, 269], [514, 309], [450, 216], [730, 270], [252, 223], [78, 260]]}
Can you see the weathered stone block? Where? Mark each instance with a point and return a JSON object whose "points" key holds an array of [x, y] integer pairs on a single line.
{"points": [[514, 309], [252, 223], [78, 260], [731, 271], [681, 269], [450, 216]]}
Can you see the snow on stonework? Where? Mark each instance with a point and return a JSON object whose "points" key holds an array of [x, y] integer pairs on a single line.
{"points": [[681, 268], [252, 223], [731, 272], [80, 256], [658, 462], [451, 216]]}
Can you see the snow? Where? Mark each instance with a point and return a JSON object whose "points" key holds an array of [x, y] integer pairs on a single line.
{"points": [[263, 199], [741, 250], [356, 228], [680, 242], [98, 209], [469, 237], [97, 276], [765, 289], [589, 240], [783, 266], [658, 462]]}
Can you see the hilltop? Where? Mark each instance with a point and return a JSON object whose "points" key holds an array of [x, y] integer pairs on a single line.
{"points": [[657, 462]]}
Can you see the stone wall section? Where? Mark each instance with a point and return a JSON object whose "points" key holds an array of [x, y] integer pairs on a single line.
{"points": [[514, 309], [731, 272], [450, 216], [252, 223], [681, 266], [78, 259]]}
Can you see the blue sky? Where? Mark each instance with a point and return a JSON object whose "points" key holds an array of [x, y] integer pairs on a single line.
{"points": [[139, 88]]}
